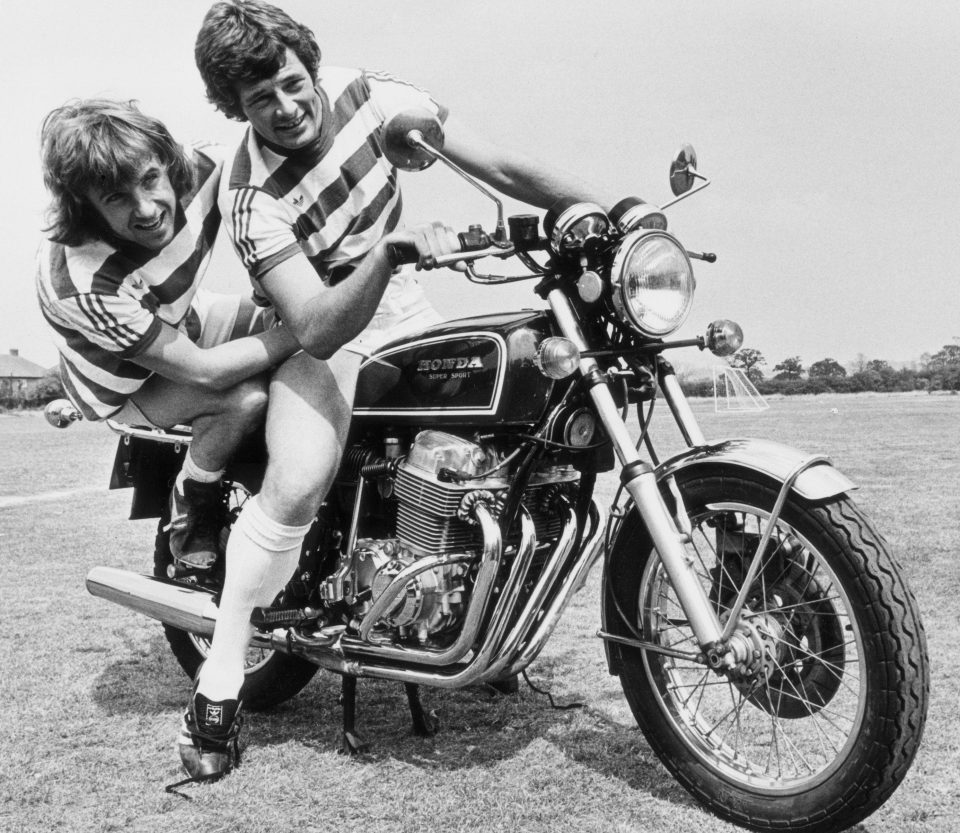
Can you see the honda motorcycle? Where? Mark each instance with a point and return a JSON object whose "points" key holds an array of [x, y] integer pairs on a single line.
{"points": [[764, 636]]}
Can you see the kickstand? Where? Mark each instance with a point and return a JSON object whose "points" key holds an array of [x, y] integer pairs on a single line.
{"points": [[424, 724], [350, 742]]}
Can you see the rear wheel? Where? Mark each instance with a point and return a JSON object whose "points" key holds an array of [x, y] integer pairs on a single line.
{"points": [[820, 717], [270, 677]]}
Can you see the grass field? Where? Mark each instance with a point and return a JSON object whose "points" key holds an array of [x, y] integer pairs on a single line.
{"points": [[90, 697]]}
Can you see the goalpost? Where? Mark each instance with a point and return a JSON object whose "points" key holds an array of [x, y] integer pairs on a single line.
{"points": [[734, 392]]}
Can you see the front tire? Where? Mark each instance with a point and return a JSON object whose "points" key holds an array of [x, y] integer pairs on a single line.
{"points": [[821, 717], [270, 677]]}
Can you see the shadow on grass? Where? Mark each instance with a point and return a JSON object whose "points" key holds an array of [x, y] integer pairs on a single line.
{"points": [[478, 729], [150, 682]]}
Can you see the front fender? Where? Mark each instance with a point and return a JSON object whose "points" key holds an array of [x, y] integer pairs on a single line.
{"points": [[773, 459]]}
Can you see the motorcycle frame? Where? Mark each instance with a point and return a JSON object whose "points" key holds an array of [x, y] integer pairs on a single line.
{"points": [[812, 478]]}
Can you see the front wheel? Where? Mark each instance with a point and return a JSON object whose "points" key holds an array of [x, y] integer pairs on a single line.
{"points": [[817, 721]]}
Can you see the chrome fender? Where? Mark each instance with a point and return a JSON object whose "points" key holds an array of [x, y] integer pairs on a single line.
{"points": [[821, 480], [778, 462]]}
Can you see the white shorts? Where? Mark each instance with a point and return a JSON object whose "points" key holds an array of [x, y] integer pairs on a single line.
{"points": [[404, 309], [220, 318], [225, 318]]}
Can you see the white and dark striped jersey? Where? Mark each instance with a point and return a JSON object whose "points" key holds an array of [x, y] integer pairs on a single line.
{"points": [[106, 303], [332, 200]]}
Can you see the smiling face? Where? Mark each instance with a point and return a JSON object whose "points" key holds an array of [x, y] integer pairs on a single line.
{"points": [[284, 109], [140, 210]]}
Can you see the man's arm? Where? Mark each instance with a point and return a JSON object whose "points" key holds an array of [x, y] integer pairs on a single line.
{"points": [[175, 357], [324, 318], [515, 174]]}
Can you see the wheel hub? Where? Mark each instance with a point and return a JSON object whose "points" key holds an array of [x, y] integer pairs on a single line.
{"points": [[753, 650]]}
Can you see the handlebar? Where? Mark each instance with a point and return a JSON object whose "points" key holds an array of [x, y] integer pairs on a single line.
{"points": [[473, 245], [61, 413]]}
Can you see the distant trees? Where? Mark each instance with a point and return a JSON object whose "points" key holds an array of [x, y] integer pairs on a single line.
{"points": [[827, 369], [943, 368], [790, 368], [48, 388], [939, 371], [749, 360]]}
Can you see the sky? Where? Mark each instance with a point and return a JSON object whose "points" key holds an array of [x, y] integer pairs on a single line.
{"points": [[829, 130]]}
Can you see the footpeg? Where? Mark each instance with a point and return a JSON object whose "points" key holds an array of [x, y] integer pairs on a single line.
{"points": [[267, 618], [180, 570]]}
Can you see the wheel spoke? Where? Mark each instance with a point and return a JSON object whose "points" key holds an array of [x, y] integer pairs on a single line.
{"points": [[794, 719]]}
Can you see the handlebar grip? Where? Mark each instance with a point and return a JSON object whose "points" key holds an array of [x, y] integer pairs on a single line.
{"points": [[400, 253], [473, 240]]}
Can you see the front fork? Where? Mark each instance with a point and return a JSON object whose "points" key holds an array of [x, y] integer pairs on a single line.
{"points": [[641, 484]]}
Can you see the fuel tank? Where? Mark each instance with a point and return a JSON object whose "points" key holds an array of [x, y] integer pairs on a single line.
{"points": [[477, 371]]}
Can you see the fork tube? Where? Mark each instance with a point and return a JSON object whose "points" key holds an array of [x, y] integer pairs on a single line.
{"points": [[679, 407], [641, 483], [599, 391]]}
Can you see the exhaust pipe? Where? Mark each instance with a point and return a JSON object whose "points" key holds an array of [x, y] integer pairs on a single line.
{"points": [[173, 604]]}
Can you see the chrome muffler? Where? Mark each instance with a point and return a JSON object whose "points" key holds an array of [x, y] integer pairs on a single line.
{"points": [[182, 607], [186, 608]]}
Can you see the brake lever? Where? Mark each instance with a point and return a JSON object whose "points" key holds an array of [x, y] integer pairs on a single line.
{"points": [[489, 251]]}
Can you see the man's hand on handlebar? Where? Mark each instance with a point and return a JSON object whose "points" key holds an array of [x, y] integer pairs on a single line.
{"points": [[421, 244]]}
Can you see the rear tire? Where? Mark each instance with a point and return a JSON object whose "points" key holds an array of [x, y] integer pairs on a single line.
{"points": [[270, 677], [820, 725]]}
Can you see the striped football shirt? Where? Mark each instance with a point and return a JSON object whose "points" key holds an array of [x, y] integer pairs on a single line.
{"points": [[333, 200], [107, 303]]}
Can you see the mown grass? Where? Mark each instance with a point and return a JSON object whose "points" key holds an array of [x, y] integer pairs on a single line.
{"points": [[91, 697]]}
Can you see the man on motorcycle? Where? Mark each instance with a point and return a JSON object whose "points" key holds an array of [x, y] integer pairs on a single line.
{"points": [[313, 209], [133, 218]]}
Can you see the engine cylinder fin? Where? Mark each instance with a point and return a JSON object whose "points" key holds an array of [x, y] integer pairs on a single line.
{"points": [[427, 522]]}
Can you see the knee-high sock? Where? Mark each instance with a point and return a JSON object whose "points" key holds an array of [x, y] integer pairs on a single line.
{"points": [[261, 556], [191, 471]]}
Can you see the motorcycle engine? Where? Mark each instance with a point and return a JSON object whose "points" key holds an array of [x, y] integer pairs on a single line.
{"points": [[435, 485]]}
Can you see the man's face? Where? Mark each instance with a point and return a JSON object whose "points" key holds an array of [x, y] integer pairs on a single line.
{"points": [[284, 109], [142, 209]]}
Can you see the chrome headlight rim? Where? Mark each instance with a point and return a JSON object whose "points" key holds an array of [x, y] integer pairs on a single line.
{"points": [[624, 308], [565, 229]]}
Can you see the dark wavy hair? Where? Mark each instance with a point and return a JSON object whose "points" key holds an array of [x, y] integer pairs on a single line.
{"points": [[245, 41], [100, 144]]}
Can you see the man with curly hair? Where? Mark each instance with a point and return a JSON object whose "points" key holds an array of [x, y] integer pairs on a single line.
{"points": [[313, 208], [133, 218]]}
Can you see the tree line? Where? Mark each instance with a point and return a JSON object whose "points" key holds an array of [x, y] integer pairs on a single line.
{"points": [[937, 372]]}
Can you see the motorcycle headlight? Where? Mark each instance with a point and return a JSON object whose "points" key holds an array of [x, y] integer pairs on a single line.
{"points": [[652, 282]]}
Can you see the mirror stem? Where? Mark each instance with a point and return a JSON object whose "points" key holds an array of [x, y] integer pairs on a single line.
{"points": [[693, 173], [415, 139]]}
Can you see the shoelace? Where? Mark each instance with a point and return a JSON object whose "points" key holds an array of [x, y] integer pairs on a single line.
{"points": [[234, 741], [230, 743]]}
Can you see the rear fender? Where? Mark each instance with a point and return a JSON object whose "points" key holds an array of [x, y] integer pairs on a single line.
{"points": [[149, 460], [148, 467]]}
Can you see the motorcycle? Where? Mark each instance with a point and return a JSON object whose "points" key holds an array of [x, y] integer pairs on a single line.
{"points": [[762, 632]]}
